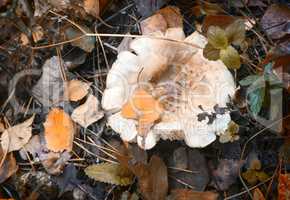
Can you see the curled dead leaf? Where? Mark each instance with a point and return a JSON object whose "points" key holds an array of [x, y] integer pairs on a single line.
{"points": [[77, 90], [9, 166], [14, 138], [87, 113], [59, 130]]}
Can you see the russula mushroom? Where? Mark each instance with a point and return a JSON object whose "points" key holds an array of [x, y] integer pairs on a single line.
{"points": [[166, 89]]}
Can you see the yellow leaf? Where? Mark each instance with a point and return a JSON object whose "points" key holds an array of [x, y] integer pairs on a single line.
{"points": [[110, 173], [235, 32], [210, 52], [217, 37], [230, 57], [59, 130]]}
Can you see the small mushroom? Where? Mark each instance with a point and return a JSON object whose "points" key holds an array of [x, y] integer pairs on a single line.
{"points": [[192, 91]]}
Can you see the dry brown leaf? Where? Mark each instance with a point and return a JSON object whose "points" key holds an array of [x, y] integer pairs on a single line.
{"points": [[59, 130], [168, 17], [54, 163], [37, 33], [87, 113], [9, 166], [92, 7], [2, 127], [221, 21], [258, 195], [186, 194], [77, 89], [14, 138]]}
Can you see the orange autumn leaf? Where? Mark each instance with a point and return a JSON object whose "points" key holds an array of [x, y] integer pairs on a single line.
{"points": [[284, 187], [59, 130], [142, 107]]}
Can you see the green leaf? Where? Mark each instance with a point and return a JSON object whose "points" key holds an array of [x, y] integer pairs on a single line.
{"points": [[110, 173], [236, 32], [210, 52], [217, 37], [256, 99], [230, 57], [249, 80]]}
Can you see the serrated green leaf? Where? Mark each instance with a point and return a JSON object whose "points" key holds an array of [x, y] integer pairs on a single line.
{"points": [[217, 37], [110, 173], [236, 32], [210, 52], [230, 57], [249, 80]]}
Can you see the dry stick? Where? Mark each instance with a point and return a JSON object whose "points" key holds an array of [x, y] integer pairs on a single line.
{"points": [[182, 182], [245, 145]]}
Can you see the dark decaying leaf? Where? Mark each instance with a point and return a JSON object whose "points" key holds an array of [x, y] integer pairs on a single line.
{"points": [[275, 21], [148, 7], [9, 166], [230, 57], [195, 164], [110, 173], [226, 173], [186, 194]]}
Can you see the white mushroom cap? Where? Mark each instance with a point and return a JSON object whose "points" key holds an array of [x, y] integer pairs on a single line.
{"points": [[204, 85]]}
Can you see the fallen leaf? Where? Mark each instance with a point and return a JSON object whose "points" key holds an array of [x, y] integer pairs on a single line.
{"points": [[53, 162], [77, 89], [147, 7], [59, 130], [37, 33], [68, 180], [110, 173], [217, 37], [236, 32], [258, 195], [231, 134], [248, 3], [226, 173], [222, 21], [50, 88], [9, 166], [284, 187], [33, 147], [172, 16], [230, 57], [92, 7], [275, 21], [186, 194], [87, 113], [210, 52], [143, 107], [254, 176], [206, 8], [2, 127], [85, 43], [14, 138], [196, 172]]}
